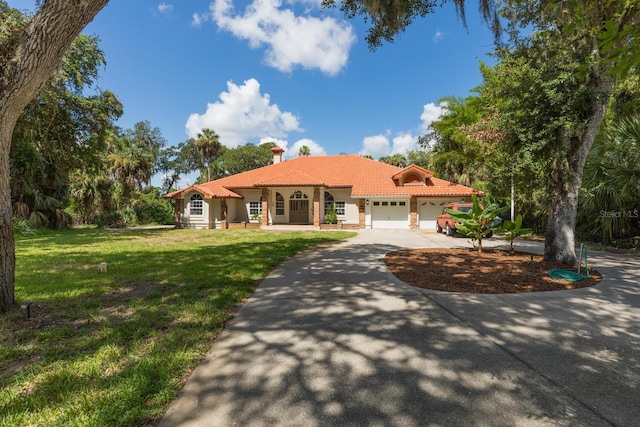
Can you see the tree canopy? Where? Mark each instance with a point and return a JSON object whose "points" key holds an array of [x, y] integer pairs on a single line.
{"points": [[30, 49], [242, 158], [60, 132], [389, 18]]}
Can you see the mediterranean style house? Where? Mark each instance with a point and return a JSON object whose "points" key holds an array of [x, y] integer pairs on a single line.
{"points": [[364, 194]]}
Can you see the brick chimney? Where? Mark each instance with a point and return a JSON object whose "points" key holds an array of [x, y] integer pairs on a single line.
{"points": [[277, 154]]}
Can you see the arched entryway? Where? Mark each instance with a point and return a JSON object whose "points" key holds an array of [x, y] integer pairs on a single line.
{"points": [[298, 208]]}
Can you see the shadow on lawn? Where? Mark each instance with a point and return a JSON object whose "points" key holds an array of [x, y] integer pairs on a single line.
{"points": [[113, 355], [323, 342], [78, 237]]}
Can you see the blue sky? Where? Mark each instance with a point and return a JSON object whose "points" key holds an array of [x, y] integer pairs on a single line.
{"points": [[283, 71]]}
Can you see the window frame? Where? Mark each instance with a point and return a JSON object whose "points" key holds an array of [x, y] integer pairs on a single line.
{"points": [[339, 205], [255, 208], [280, 207], [196, 203]]}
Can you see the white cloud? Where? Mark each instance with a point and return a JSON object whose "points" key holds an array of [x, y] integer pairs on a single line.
{"points": [[279, 142], [165, 8], [376, 146], [404, 143], [198, 18], [438, 36], [430, 113], [380, 145], [306, 41], [315, 148], [241, 114], [383, 145]]}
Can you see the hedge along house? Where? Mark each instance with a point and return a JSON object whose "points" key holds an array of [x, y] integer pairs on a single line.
{"points": [[365, 194]]}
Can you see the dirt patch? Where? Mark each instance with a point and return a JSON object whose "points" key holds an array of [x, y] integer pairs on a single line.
{"points": [[465, 270], [134, 290]]}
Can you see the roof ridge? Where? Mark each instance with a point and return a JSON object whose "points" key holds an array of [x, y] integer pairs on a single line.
{"points": [[295, 172]]}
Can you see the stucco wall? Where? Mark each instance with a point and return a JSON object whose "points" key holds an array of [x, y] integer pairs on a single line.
{"points": [[352, 215], [195, 221]]}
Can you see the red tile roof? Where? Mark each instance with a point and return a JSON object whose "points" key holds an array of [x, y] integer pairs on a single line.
{"points": [[413, 168], [291, 178], [366, 177]]}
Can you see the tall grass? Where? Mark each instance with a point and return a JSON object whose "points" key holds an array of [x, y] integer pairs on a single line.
{"points": [[112, 348]]}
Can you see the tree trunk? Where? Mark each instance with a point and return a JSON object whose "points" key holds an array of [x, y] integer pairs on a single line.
{"points": [[34, 58], [565, 179], [7, 251]]}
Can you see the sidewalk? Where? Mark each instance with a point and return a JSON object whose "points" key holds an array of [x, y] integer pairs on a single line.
{"points": [[330, 338]]}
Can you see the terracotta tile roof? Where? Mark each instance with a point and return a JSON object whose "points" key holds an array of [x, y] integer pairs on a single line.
{"points": [[292, 178], [413, 168], [208, 190], [366, 177]]}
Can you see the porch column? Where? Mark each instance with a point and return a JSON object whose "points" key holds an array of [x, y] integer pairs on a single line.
{"points": [[265, 207], [223, 213], [413, 207], [361, 213], [177, 212], [316, 207]]}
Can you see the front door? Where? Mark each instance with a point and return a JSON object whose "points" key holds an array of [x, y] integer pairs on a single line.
{"points": [[299, 211]]}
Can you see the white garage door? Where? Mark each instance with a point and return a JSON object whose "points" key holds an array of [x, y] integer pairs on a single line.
{"points": [[427, 212], [390, 214]]}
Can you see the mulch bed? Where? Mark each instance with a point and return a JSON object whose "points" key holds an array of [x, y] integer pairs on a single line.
{"points": [[493, 271]]}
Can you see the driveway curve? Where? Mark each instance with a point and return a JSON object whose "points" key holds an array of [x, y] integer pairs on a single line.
{"points": [[331, 338]]}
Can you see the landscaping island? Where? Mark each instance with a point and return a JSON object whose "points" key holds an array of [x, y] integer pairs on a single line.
{"points": [[491, 272]]}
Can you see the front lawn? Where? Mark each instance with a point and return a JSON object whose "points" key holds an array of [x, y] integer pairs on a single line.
{"points": [[112, 348]]}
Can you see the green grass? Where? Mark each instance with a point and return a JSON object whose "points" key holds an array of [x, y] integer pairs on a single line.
{"points": [[113, 348]]}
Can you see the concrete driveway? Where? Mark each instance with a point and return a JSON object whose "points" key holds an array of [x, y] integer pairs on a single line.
{"points": [[331, 338]]}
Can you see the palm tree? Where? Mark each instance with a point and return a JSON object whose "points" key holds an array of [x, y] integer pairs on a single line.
{"points": [[609, 205], [208, 144], [395, 160], [84, 190], [130, 165], [304, 151]]}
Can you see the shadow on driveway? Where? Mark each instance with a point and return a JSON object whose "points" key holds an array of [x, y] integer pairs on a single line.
{"points": [[330, 337]]}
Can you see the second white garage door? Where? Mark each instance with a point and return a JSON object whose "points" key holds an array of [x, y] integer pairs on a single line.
{"points": [[390, 214], [428, 210]]}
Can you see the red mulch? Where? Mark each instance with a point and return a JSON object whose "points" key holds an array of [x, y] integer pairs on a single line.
{"points": [[493, 271]]}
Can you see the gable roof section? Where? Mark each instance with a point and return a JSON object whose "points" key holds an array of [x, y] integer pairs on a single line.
{"points": [[412, 169], [365, 177], [208, 190]]}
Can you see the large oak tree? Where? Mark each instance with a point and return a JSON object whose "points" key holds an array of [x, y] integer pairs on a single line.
{"points": [[601, 37], [30, 51]]}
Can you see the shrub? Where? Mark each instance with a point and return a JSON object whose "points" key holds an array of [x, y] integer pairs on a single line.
{"points": [[331, 217], [110, 219], [22, 227], [513, 229], [151, 208], [478, 222]]}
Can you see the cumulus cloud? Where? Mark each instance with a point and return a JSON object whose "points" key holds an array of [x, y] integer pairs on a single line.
{"points": [[197, 19], [404, 143], [242, 113], [290, 40], [376, 146], [430, 113], [315, 148], [165, 8], [282, 143], [383, 145]]}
